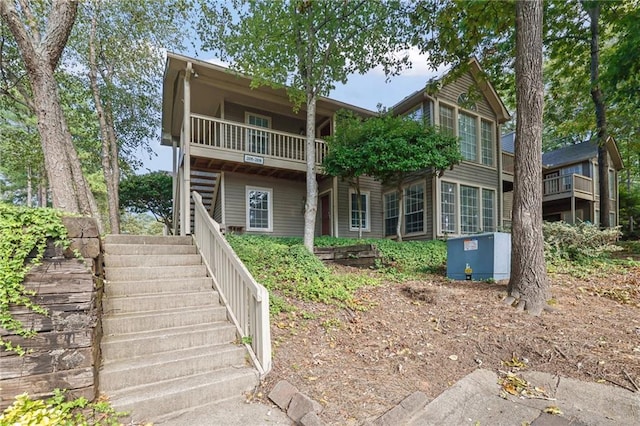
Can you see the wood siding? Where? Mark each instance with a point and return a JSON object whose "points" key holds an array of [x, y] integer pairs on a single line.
{"points": [[473, 175], [235, 112], [288, 203], [451, 91]]}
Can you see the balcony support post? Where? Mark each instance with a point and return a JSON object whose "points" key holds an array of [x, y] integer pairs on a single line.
{"points": [[185, 210]]}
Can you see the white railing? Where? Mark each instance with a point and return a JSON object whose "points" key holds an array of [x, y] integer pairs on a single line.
{"points": [[247, 302], [568, 184], [248, 139]]}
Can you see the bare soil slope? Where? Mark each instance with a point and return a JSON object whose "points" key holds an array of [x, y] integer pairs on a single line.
{"points": [[425, 335]]}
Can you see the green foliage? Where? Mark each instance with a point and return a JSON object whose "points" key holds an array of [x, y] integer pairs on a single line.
{"points": [[151, 192], [59, 411], [630, 208], [578, 243], [286, 268], [23, 233]]}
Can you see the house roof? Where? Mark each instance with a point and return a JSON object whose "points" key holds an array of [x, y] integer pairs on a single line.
{"points": [[569, 154], [483, 84]]}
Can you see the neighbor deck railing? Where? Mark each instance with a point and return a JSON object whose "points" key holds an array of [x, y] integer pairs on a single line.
{"points": [[568, 184], [248, 139], [247, 301]]}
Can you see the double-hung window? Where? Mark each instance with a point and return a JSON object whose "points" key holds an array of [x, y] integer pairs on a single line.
{"points": [[468, 137], [486, 139], [446, 123], [414, 208], [257, 140], [359, 211], [469, 210], [488, 202], [448, 207], [259, 209], [391, 211]]}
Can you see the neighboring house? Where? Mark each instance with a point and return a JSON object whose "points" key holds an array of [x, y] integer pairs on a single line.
{"points": [[243, 149], [570, 181]]}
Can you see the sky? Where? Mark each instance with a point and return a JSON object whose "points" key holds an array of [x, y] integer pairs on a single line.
{"points": [[366, 91]]}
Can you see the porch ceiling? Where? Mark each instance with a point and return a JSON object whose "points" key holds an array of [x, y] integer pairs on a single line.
{"points": [[217, 165]]}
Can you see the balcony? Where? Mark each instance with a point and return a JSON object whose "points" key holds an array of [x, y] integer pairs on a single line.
{"points": [[222, 141], [507, 164], [568, 186]]}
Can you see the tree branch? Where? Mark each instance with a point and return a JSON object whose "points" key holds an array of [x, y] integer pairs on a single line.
{"points": [[59, 25]]}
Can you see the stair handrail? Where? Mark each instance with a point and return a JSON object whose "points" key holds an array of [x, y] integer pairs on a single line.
{"points": [[246, 300]]}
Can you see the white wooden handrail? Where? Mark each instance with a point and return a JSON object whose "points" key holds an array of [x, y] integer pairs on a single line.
{"points": [[247, 302]]}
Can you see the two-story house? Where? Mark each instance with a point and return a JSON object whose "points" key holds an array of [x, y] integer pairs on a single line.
{"points": [[570, 181], [243, 150]]}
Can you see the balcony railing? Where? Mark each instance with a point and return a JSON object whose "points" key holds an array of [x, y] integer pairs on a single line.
{"points": [[507, 163], [567, 185], [254, 140]]}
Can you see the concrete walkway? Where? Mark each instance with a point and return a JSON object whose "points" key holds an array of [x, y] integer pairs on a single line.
{"points": [[476, 400]]}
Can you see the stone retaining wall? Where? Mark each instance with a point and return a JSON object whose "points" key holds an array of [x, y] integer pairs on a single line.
{"points": [[64, 353]]}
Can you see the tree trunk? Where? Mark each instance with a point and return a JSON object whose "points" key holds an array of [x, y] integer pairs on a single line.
{"points": [[400, 212], [29, 187], [529, 285], [106, 134], [42, 192], [69, 189], [311, 205], [593, 9]]}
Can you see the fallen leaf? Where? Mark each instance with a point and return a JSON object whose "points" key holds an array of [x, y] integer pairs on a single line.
{"points": [[552, 409]]}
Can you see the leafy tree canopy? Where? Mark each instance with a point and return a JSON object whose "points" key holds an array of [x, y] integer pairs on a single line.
{"points": [[150, 192]]}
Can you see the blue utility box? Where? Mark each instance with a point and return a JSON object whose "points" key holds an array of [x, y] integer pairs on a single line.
{"points": [[488, 256]]}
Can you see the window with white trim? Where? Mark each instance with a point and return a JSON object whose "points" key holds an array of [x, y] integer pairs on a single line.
{"points": [[414, 208], [257, 140], [416, 114], [486, 140], [469, 210], [359, 212], [391, 211], [259, 209], [448, 207], [612, 219], [446, 123], [612, 184], [468, 137], [488, 203]]}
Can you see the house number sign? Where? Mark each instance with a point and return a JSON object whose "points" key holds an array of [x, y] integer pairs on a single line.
{"points": [[253, 159]]}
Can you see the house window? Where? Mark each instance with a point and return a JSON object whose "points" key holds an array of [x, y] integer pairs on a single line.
{"points": [[359, 211], [486, 139], [391, 210], [469, 210], [414, 209], [257, 140], [468, 138], [448, 207], [488, 202], [612, 219], [259, 209], [416, 114], [446, 120], [612, 184]]}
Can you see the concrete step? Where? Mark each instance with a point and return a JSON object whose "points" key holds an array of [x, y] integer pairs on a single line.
{"points": [[146, 239], [154, 272], [125, 346], [118, 249], [157, 400], [131, 260], [158, 302], [158, 286], [153, 368], [140, 322]]}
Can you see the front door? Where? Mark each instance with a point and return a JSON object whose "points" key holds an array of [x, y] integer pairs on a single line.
{"points": [[325, 209]]}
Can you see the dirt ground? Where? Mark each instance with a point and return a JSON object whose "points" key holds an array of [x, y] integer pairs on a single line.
{"points": [[426, 335]]}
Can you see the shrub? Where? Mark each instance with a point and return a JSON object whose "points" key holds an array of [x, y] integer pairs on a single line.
{"points": [[580, 242]]}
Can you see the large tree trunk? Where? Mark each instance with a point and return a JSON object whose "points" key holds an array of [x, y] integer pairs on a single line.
{"points": [[69, 189], [311, 205], [529, 285], [110, 173], [593, 9]]}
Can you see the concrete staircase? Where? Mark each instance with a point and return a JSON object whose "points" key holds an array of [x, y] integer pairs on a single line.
{"points": [[167, 345]]}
